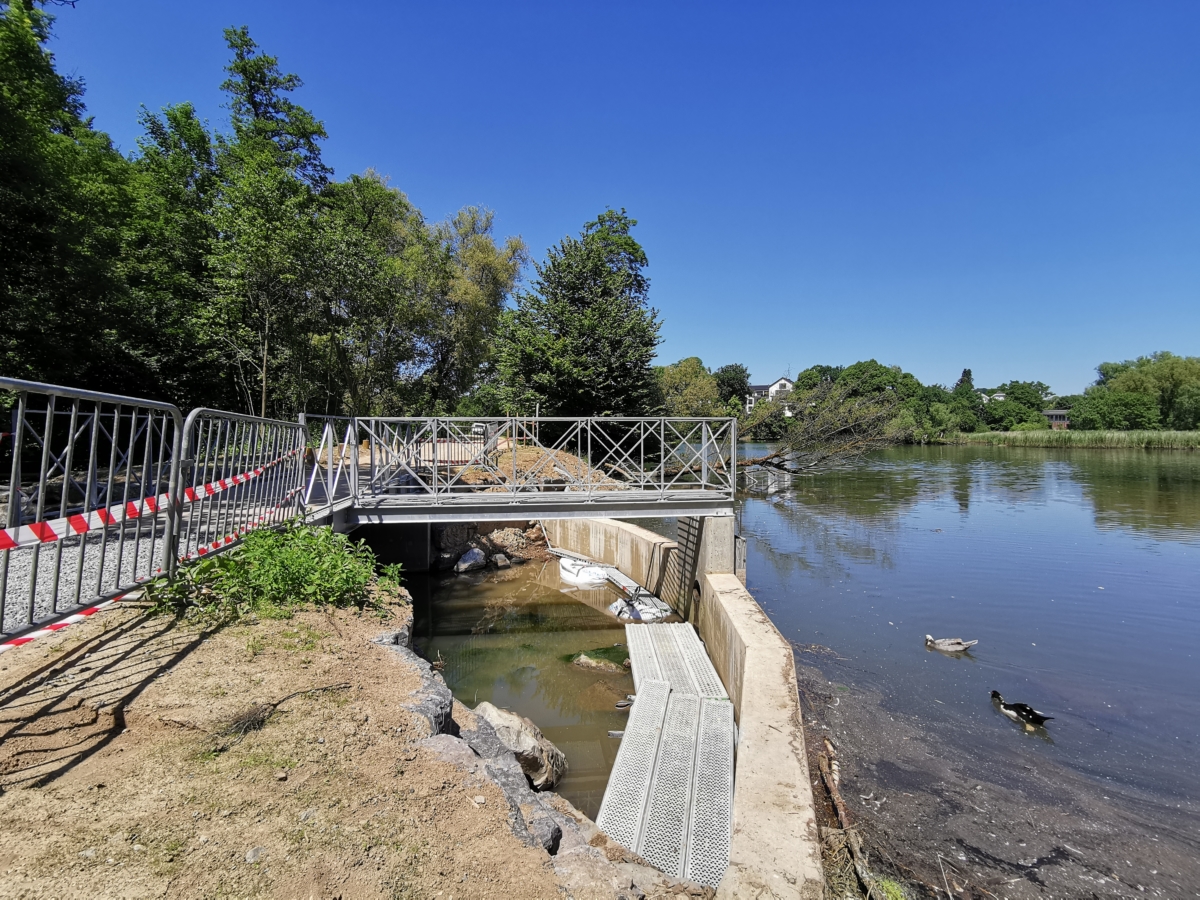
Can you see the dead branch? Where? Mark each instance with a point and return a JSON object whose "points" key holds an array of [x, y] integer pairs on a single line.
{"points": [[852, 838], [254, 717]]}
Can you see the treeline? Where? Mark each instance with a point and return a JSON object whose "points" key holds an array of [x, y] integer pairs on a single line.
{"points": [[1151, 392], [231, 269]]}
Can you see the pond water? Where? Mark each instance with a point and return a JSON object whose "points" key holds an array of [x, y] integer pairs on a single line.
{"points": [[508, 637], [1078, 572]]}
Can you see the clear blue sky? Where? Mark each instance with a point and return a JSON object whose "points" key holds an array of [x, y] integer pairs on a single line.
{"points": [[1010, 186]]}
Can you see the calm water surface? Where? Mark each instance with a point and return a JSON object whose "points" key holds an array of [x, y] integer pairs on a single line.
{"points": [[508, 637], [1078, 572]]}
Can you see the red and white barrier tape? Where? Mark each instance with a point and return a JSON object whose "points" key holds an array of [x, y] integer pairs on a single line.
{"points": [[58, 626], [57, 529], [216, 545]]}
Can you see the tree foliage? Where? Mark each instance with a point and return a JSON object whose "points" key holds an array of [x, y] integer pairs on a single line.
{"points": [[228, 269], [733, 384], [582, 340], [688, 389]]}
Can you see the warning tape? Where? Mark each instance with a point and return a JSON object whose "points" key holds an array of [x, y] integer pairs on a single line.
{"points": [[238, 533], [58, 529], [61, 624]]}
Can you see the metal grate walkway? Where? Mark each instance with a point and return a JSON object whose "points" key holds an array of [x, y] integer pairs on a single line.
{"points": [[670, 795]]}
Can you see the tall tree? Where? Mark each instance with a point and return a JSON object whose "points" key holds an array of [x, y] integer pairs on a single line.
{"points": [[64, 200], [582, 341], [689, 389], [733, 383]]}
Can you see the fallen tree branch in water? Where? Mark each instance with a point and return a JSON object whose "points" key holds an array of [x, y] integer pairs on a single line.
{"points": [[852, 838]]}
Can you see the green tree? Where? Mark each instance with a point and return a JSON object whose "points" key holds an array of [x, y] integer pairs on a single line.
{"points": [[582, 341], [1163, 376], [1118, 410], [64, 201], [689, 389], [733, 383]]}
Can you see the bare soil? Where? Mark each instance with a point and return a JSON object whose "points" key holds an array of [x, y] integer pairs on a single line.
{"points": [[944, 822], [117, 780]]}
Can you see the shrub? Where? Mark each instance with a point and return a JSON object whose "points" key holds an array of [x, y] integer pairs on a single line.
{"points": [[273, 572]]}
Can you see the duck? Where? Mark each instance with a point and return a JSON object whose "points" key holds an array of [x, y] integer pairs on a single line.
{"points": [[1021, 712], [948, 645]]}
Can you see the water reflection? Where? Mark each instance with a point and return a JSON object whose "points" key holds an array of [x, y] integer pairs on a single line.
{"points": [[1076, 570], [508, 638]]}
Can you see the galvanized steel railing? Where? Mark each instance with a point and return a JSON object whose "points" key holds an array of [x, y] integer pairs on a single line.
{"points": [[239, 473], [105, 492], [436, 461], [89, 502]]}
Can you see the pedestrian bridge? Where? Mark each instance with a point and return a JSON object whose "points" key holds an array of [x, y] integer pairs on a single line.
{"points": [[105, 492], [382, 470]]}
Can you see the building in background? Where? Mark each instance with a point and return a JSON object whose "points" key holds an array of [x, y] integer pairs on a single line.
{"points": [[1060, 419], [768, 391]]}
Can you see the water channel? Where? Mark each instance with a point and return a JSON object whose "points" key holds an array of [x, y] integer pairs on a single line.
{"points": [[509, 636], [1077, 571]]}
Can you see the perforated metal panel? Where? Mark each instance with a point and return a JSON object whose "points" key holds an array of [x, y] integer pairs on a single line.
{"points": [[670, 659], [664, 830], [700, 667], [711, 827], [624, 801], [641, 655]]}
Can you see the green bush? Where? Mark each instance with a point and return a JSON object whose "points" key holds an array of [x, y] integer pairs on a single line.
{"points": [[273, 572]]}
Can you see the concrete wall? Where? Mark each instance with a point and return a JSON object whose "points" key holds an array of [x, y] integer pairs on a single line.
{"points": [[775, 851], [638, 553]]}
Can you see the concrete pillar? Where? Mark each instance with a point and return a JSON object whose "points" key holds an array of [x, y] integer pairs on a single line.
{"points": [[716, 548]]}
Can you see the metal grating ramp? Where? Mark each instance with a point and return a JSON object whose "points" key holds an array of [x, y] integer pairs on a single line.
{"points": [[711, 827], [670, 795], [642, 655], [663, 840], [674, 654], [700, 668], [628, 787]]}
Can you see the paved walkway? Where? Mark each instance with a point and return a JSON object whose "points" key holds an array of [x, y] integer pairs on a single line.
{"points": [[670, 795]]}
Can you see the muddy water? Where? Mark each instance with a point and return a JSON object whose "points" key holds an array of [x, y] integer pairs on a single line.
{"points": [[507, 637]]}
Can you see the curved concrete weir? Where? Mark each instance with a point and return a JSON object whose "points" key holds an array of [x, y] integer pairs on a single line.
{"points": [[775, 850]]}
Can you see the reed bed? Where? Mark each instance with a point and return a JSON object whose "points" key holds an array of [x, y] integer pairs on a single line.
{"points": [[1103, 440]]}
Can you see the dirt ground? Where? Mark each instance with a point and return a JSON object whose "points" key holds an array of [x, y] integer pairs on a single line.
{"points": [[944, 822], [117, 782]]}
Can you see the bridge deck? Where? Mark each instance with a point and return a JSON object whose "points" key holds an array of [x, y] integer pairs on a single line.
{"points": [[670, 795]]}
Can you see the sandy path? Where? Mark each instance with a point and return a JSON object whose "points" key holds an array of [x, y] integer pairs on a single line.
{"points": [[116, 784]]}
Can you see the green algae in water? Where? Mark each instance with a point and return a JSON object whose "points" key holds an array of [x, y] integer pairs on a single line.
{"points": [[616, 653]]}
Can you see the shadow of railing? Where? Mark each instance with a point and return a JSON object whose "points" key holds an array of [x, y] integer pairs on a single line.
{"points": [[71, 708]]}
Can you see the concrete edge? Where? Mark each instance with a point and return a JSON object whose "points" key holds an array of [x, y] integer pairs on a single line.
{"points": [[775, 850]]}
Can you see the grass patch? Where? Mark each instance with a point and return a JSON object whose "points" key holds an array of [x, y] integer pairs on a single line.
{"points": [[272, 573], [890, 889], [1101, 440]]}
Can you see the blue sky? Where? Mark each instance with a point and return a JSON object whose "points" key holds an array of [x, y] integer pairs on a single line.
{"points": [[1010, 186]]}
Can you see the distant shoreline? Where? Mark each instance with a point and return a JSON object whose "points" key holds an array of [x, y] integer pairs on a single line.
{"points": [[1099, 440]]}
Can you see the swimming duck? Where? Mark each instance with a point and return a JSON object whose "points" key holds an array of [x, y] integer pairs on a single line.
{"points": [[1021, 712], [948, 645]]}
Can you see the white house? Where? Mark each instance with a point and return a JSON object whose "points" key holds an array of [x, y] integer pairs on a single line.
{"points": [[768, 391]]}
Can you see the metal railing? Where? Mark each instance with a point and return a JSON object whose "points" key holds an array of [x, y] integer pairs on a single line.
{"points": [[89, 503], [439, 460], [105, 492], [334, 458], [239, 473]]}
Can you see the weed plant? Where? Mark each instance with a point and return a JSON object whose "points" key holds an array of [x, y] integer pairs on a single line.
{"points": [[274, 572], [1103, 440]]}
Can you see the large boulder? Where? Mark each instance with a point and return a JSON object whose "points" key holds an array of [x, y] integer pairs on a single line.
{"points": [[472, 559], [542, 762], [453, 538]]}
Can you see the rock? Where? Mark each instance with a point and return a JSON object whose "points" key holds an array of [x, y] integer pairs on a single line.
{"points": [[281, 775], [598, 665], [472, 559], [453, 538], [479, 800], [88, 853], [500, 561], [255, 855], [307, 814], [542, 762]]}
